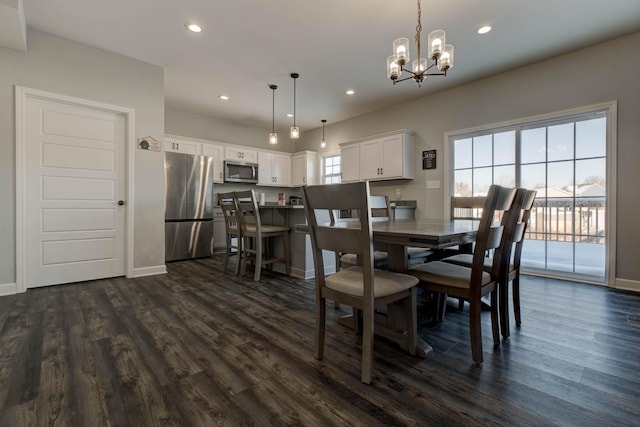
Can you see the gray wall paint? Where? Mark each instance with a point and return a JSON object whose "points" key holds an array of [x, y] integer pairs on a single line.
{"points": [[61, 66]]}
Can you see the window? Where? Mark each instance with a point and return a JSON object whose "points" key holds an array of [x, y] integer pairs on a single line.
{"points": [[565, 160], [330, 169]]}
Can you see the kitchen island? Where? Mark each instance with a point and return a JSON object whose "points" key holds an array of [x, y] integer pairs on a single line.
{"points": [[301, 255]]}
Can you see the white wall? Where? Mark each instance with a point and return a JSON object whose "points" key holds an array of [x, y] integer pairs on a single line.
{"points": [[61, 66]]}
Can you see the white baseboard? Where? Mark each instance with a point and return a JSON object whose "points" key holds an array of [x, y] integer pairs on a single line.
{"points": [[628, 285], [8, 289], [149, 271]]}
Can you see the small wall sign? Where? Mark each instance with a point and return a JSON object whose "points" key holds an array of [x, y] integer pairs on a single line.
{"points": [[148, 143], [429, 159]]}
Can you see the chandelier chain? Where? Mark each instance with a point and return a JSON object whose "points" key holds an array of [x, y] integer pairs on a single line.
{"points": [[419, 29]]}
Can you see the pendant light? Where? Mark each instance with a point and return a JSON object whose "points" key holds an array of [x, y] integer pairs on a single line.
{"points": [[295, 130], [273, 136], [323, 144]]}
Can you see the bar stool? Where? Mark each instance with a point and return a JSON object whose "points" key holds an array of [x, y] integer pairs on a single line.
{"points": [[256, 236], [232, 229]]}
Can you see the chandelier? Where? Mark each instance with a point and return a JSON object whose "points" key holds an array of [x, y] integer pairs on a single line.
{"points": [[440, 53]]}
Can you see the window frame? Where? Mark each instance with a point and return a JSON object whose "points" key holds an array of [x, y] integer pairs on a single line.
{"points": [[321, 166], [610, 111]]}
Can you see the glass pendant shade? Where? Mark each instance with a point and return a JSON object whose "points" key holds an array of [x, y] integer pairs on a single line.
{"points": [[295, 132], [401, 51], [393, 70], [273, 138], [436, 42], [446, 59], [419, 66]]}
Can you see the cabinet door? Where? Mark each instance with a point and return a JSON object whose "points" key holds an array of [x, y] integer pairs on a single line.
{"points": [[238, 153], [182, 146], [350, 162], [304, 169], [392, 157], [282, 170], [265, 169], [298, 166], [371, 159], [215, 151]]}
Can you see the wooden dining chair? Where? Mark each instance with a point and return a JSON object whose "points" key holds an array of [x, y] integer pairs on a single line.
{"points": [[472, 283], [515, 223], [362, 287], [381, 211], [231, 227], [256, 237]]}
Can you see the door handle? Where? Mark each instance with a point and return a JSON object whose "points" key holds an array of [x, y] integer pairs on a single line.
{"points": [[120, 202]]}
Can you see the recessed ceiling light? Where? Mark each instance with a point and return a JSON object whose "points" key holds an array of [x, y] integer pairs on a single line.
{"points": [[289, 115], [350, 92], [223, 97], [195, 28], [484, 29]]}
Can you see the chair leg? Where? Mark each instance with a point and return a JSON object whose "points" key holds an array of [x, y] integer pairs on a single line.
{"points": [[244, 255], [494, 318], [238, 253], [503, 287], [258, 263], [516, 299], [227, 251], [320, 327], [367, 345], [475, 330], [285, 247], [440, 306]]}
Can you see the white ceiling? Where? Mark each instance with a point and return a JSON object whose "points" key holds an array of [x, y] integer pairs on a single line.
{"points": [[334, 44]]}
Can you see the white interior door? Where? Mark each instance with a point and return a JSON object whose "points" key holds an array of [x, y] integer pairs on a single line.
{"points": [[74, 177]]}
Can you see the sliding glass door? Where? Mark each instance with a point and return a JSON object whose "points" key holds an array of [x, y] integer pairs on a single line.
{"points": [[565, 160]]}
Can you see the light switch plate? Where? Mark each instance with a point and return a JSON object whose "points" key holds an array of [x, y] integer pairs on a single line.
{"points": [[433, 184]]}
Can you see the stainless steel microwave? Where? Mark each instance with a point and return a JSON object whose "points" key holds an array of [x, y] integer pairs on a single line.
{"points": [[240, 172]]}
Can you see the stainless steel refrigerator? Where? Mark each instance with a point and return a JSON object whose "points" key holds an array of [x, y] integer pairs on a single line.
{"points": [[188, 210]]}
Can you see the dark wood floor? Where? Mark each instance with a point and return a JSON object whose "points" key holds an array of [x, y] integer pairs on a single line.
{"points": [[202, 347]]}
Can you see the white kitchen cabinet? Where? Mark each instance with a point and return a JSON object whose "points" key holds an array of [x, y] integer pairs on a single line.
{"points": [[350, 162], [215, 151], [274, 169], [182, 146], [388, 157], [241, 154], [305, 168]]}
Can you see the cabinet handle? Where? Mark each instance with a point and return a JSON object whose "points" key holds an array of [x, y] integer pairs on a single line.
{"points": [[304, 179], [178, 145], [381, 171]]}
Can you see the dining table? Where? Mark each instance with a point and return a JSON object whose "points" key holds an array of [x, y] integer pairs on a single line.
{"points": [[397, 236]]}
